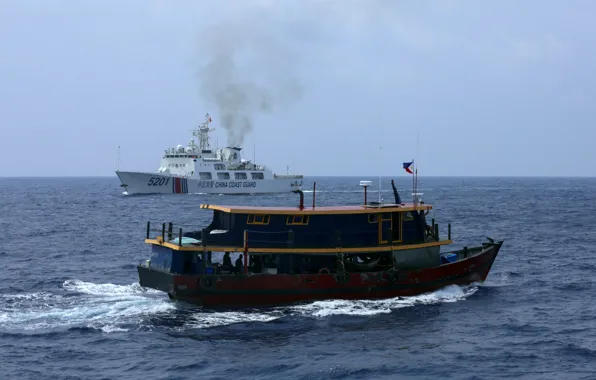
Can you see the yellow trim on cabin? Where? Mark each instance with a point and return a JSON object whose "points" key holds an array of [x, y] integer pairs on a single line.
{"points": [[385, 248], [316, 210], [381, 224], [293, 222], [382, 219], [265, 221]]}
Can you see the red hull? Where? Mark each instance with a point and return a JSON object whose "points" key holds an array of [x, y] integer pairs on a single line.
{"points": [[259, 290]]}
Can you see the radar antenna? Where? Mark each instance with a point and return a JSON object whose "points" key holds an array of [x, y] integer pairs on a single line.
{"points": [[202, 132]]}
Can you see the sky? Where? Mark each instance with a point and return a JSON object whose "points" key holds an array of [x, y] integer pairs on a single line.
{"points": [[327, 87]]}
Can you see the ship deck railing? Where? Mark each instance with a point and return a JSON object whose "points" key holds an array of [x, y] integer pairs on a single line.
{"points": [[174, 236]]}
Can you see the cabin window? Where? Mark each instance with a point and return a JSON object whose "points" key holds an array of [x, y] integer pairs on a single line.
{"points": [[297, 219], [257, 175], [240, 175], [205, 175], [223, 175], [373, 218], [258, 219], [408, 216]]}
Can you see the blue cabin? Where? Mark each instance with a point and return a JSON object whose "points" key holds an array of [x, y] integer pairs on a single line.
{"points": [[300, 239]]}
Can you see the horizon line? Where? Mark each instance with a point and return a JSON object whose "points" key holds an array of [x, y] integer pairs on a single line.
{"points": [[328, 176]]}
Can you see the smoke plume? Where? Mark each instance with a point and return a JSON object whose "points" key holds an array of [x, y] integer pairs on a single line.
{"points": [[248, 71]]}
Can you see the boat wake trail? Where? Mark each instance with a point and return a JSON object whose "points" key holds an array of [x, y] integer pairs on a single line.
{"points": [[202, 320], [105, 307], [451, 293], [115, 308]]}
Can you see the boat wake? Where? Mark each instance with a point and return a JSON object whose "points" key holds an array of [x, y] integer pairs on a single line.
{"points": [[117, 308], [79, 304], [453, 293]]}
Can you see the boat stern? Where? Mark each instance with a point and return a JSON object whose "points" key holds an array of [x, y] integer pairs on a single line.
{"points": [[155, 279]]}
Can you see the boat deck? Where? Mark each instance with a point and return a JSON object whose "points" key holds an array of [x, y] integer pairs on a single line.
{"points": [[360, 209], [178, 245]]}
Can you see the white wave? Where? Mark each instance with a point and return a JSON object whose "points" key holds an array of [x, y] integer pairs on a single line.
{"points": [[29, 296], [102, 306], [206, 320], [106, 290], [453, 293]]}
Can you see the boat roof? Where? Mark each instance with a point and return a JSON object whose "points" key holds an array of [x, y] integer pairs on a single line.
{"points": [[356, 209]]}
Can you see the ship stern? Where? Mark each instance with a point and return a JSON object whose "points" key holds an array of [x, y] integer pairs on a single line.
{"points": [[155, 279]]}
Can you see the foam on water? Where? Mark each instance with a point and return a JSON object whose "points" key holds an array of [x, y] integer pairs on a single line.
{"points": [[452, 293], [111, 308], [107, 307], [371, 307]]}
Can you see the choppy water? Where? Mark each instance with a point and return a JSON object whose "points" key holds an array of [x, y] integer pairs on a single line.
{"points": [[71, 307]]}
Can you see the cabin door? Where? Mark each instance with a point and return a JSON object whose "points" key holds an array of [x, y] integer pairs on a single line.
{"points": [[385, 226]]}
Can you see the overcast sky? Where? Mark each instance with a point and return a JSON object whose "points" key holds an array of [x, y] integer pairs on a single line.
{"points": [[490, 87]]}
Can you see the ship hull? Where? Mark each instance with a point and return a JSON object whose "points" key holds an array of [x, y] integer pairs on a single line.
{"points": [[266, 290], [151, 183]]}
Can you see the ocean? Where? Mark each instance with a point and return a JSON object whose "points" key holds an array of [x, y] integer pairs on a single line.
{"points": [[71, 306]]}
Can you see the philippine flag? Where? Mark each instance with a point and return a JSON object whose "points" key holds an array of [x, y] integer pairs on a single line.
{"points": [[407, 166]]}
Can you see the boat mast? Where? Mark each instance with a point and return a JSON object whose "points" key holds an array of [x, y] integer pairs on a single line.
{"points": [[202, 132]]}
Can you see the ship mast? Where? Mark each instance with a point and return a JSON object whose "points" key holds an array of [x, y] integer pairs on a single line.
{"points": [[202, 132]]}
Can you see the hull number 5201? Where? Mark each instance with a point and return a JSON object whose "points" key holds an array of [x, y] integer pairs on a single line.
{"points": [[158, 181]]}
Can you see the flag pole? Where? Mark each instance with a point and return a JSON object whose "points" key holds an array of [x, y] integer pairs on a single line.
{"points": [[413, 183], [416, 187]]}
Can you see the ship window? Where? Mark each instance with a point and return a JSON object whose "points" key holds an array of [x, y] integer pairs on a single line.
{"points": [[220, 167], [223, 175], [204, 175], [408, 216], [257, 175], [297, 219], [240, 175], [373, 218], [258, 219]]}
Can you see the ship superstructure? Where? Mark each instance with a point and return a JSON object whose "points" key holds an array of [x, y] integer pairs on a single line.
{"points": [[198, 168]]}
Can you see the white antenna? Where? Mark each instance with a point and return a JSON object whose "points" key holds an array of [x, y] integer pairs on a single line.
{"points": [[202, 132]]}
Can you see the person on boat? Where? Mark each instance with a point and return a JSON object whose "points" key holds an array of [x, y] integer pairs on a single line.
{"points": [[227, 266], [239, 264]]}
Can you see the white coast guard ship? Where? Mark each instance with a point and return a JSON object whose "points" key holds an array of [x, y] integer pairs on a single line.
{"points": [[200, 169]]}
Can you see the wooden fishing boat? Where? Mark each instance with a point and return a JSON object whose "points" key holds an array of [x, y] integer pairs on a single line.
{"points": [[288, 255]]}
